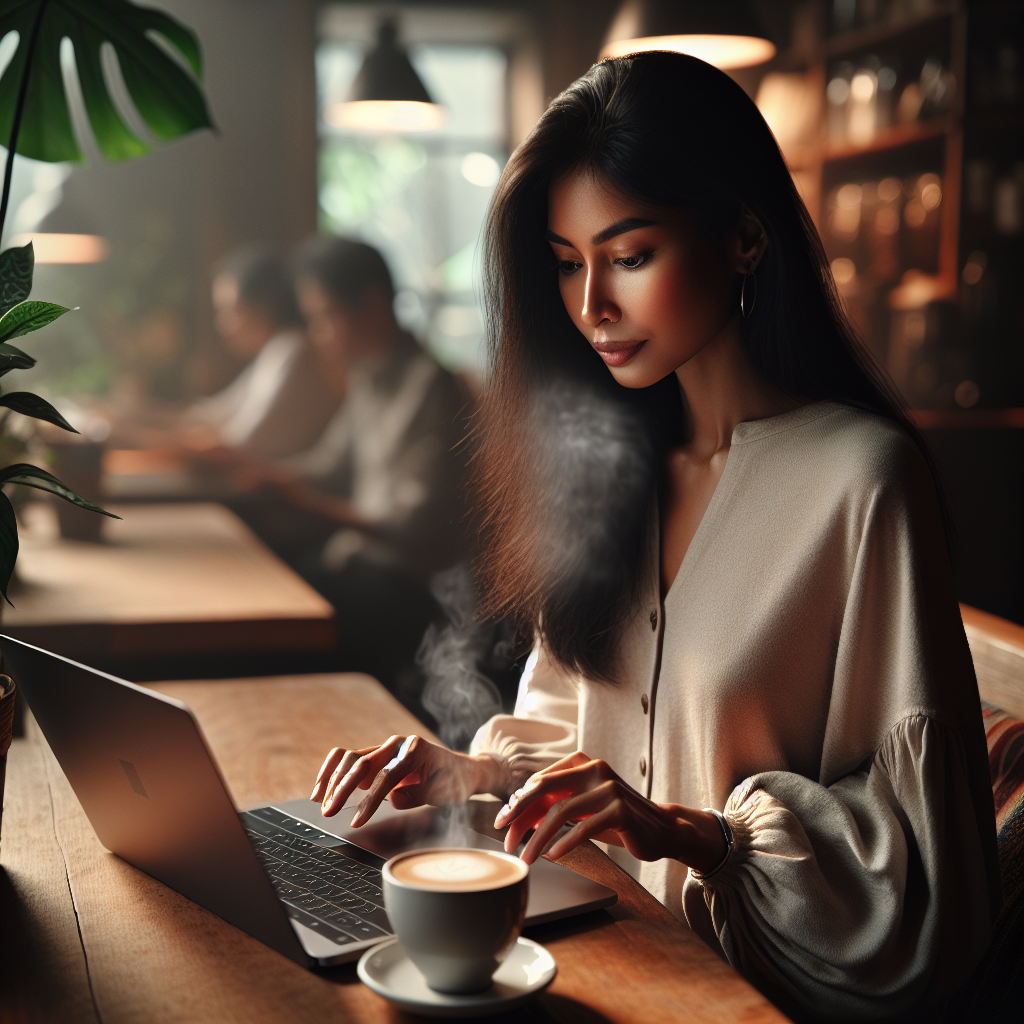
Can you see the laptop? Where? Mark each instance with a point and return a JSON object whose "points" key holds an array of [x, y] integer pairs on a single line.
{"points": [[306, 885]]}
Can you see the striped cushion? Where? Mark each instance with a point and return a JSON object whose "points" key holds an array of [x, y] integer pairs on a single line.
{"points": [[1005, 737], [995, 991]]}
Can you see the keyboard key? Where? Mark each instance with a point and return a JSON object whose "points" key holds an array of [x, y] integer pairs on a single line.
{"points": [[366, 890], [286, 873], [327, 891], [310, 903], [355, 905]]}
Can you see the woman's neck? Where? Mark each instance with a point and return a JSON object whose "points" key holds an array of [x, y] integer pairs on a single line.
{"points": [[722, 388]]}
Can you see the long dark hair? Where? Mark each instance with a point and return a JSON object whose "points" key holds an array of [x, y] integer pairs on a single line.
{"points": [[569, 461]]}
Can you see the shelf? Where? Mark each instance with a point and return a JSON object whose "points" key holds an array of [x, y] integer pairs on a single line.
{"points": [[890, 138], [870, 36], [965, 419]]}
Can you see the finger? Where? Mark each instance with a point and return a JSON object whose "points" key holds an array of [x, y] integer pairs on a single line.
{"points": [[583, 804], [529, 819], [589, 828], [342, 770], [551, 787], [367, 765], [331, 762], [405, 761]]}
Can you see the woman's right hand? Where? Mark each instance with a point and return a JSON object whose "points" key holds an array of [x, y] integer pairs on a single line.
{"points": [[413, 770]]}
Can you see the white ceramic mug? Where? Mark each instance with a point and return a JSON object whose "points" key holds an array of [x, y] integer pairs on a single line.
{"points": [[456, 917]]}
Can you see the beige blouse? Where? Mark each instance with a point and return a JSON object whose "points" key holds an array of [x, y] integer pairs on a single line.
{"points": [[808, 675]]}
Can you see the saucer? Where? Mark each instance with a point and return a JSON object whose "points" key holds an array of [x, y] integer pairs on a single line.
{"points": [[387, 970]]}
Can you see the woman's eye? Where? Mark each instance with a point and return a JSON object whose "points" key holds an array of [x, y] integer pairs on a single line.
{"points": [[568, 267], [632, 262]]}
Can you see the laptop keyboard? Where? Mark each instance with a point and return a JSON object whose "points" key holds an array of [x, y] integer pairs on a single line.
{"points": [[337, 894]]}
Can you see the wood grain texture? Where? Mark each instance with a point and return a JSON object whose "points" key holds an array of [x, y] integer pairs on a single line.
{"points": [[42, 966], [997, 647], [154, 956], [168, 579]]}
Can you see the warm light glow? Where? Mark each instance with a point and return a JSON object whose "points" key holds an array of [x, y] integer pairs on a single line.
{"points": [[54, 248], [724, 52], [480, 169], [386, 116], [889, 189], [843, 270], [915, 291]]}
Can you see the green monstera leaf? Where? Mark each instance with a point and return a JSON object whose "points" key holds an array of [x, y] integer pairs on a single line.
{"points": [[166, 96]]}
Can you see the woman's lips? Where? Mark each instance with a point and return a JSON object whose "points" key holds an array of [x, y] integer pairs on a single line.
{"points": [[618, 353]]}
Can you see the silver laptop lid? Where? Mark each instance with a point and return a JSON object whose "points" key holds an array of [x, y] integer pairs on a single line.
{"points": [[138, 765]]}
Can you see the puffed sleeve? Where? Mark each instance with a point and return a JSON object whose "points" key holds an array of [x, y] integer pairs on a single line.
{"points": [[868, 892], [544, 727], [840, 902]]}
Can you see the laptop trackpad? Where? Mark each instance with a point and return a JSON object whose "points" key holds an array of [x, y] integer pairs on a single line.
{"points": [[555, 891]]}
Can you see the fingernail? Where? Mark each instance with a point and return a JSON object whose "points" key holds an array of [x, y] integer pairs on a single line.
{"points": [[500, 815], [312, 796]]}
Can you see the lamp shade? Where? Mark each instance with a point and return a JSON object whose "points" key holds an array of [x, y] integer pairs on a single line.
{"points": [[57, 247], [726, 33], [67, 234], [387, 94]]}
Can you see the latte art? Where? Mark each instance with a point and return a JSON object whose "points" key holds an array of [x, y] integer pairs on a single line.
{"points": [[458, 870]]}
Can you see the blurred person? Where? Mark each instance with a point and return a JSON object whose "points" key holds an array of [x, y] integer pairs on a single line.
{"points": [[376, 504], [281, 401]]}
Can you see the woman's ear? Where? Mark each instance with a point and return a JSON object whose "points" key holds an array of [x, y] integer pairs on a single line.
{"points": [[751, 240]]}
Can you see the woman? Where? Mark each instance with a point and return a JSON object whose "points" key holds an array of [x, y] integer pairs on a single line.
{"points": [[730, 556]]}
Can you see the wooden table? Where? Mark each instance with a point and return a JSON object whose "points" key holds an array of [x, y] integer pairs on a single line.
{"points": [[181, 579], [86, 937]]}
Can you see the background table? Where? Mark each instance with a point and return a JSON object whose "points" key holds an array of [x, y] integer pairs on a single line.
{"points": [[86, 937], [168, 580]]}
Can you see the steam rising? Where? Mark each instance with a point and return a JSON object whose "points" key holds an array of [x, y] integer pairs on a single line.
{"points": [[456, 693]]}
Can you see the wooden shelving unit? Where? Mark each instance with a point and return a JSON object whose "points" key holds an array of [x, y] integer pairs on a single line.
{"points": [[885, 301]]}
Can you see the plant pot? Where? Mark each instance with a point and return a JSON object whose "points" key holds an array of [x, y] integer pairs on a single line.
{"points": [[78, 464], [8, 694]]}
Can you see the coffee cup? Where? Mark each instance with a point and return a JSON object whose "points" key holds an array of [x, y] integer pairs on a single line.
{"points": [[456, 912]]}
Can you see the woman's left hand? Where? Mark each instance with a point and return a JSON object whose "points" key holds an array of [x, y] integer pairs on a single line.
{"points": [[585, 791]]}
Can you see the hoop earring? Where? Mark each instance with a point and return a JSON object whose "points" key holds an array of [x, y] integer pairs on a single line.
{"points": [[747, 307]]}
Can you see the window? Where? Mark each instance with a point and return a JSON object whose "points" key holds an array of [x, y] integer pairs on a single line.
{"points": [[421, 198]]}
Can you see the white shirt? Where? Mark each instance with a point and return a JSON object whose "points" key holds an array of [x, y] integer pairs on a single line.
{"points": [[807, 674]]}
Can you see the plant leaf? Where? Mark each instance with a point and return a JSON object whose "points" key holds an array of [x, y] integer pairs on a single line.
{"points": [[12, 358], [27, 317], [16, 266], [8, 543], [38, 408], [167, 97], [32, 476]]}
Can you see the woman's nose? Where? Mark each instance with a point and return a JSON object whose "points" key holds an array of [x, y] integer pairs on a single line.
{"points": [[598, 308]]}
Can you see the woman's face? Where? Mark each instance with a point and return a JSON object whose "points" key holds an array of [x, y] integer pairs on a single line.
{"points": [[643, 284]]}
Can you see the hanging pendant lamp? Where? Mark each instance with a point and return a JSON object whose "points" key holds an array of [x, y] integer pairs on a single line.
{"points": [[726, 33], [387, 95]]}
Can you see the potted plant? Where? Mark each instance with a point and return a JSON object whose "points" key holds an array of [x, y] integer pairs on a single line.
{"points": [[35, 121]]}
